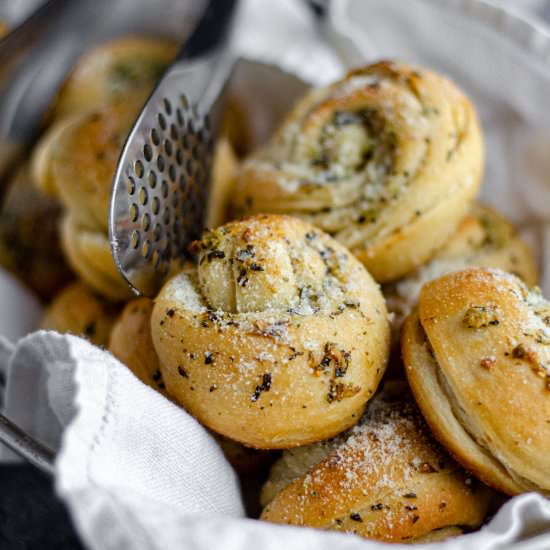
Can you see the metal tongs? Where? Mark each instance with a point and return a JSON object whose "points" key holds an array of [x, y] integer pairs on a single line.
{"points": [[159, 191]]}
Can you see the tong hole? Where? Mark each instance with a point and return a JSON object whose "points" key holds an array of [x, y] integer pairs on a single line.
{"points": [[143, 196], [164, 188], [160, 163], [157, 232], [155, 205], [155, 138], [147, 152], [155, 259], [179, 117], [184, 102], [134, 239], [167, 106], [162, 121], [172, 172], [145, 222], [182, 183], [179, 157], [133, 212], [138, 168], [146, 249], [130, 186], [152, 179], [168, 147]]}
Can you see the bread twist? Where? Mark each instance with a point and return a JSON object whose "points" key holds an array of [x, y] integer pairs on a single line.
{"points": [[277, 337], [378, 160]]}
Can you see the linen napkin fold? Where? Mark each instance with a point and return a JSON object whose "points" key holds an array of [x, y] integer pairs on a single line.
{"points": [[123, 435], [138, 472]]}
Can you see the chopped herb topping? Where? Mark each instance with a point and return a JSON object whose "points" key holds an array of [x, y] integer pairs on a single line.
{"points": [[216, 255], [480, 317], [264, 386], [338, 391], [182, 372]]}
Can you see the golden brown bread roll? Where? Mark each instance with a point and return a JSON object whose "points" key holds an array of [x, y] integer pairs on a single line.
{"points": [[42, 154], [225, 167], [76, 158], [484, 238], [83, 159], [476, 354], [377, 160], [89, 254], [77, 310], [29, 238], [112, 70], [235, 126], [384, 479], [77, 161], [131, 343], [277, 337]]}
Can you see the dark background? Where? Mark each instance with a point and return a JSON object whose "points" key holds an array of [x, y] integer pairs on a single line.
{"points": [[31, 516]]}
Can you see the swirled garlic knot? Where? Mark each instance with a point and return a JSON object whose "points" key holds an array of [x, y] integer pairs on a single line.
{"points": [[275, 337], [377, 159]]}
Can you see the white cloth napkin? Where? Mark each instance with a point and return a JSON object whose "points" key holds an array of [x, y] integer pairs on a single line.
{"points": [[136, 471]]}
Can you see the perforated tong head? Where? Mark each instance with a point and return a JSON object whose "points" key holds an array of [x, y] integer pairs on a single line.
{"points": [[160, 189]]}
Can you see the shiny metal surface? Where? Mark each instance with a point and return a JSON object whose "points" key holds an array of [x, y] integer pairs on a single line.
{"points": [[25, 446], [158, 201]]}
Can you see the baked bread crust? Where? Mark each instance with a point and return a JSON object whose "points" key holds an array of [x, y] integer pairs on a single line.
{"points": [[377, 160], [111, 71], [385, 479], [484, 238], [131, 343], [476, 353], [77, 310], [276, 338], [88, 251]]}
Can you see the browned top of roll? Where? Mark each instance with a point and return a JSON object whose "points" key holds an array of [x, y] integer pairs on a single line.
{"points": [[477, 355], [385, 479]]}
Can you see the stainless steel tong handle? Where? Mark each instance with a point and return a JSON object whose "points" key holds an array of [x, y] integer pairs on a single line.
{"points": [[25, 446]]}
